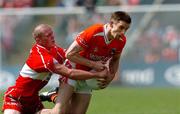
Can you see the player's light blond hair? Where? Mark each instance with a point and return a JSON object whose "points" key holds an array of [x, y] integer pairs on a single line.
{"points": [[39, 30]]}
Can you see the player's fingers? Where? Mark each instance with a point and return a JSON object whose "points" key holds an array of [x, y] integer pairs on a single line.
{"points": [[100, 68], [101, 83], [103, 86], [104, 73], [103, 62], [101, 80]]}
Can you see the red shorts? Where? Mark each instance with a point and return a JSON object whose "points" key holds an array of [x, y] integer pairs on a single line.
{"points": [[26, 105]]}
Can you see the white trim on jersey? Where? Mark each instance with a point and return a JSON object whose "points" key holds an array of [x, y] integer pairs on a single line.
{"points": [[99, 34], [41, 47], [9, 92], [30, 73], [105, 35], [81, 41], [41, 57], [58, 52]]}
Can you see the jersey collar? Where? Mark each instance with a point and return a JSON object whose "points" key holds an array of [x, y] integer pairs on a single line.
{"points": [[40, 46], [105, 35]]}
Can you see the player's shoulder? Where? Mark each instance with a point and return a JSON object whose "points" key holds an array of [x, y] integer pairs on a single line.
{"points": [[60, 49], [38, 50], [97, 26], [38, 56]]}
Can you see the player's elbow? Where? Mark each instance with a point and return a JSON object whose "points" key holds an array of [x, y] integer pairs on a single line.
{"points": [[69, 55], [71, 74]]}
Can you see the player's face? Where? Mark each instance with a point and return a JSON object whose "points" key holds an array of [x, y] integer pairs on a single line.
{"points": [[48, 38], [119, 28]]}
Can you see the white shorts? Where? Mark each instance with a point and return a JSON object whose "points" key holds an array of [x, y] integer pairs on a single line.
{"points": [[79, 85]]}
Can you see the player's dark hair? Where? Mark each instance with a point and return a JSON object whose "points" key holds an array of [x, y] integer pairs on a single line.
{"points": [[121, 16]]}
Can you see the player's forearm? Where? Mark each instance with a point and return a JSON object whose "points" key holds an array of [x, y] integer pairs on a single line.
{"points": [[81, 75], [76, 58], [73, 73], [113, 66]]}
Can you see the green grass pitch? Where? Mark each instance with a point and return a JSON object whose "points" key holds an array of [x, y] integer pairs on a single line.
{"points": [[123, 100]]}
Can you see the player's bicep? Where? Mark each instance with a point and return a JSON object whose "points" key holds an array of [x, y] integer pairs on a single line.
{"points": [[73, 50]]}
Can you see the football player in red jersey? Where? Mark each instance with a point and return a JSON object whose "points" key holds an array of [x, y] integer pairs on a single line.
{"points": [[45, 58], [91, 49]]}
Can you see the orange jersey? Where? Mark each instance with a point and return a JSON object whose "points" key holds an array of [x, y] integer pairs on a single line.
{"points": [[96, 44]]}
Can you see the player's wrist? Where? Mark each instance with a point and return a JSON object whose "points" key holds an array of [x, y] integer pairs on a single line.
{"points": [[91, 64], [97, 75]]}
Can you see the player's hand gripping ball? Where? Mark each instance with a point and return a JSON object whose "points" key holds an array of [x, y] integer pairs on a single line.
{"points": [[93, 84]]}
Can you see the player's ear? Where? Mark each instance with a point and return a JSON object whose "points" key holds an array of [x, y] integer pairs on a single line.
{"points": [[33, 35], [37, 39], [111, 23]]}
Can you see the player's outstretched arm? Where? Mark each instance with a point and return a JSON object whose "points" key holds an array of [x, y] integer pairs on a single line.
{"points": [[78, 74]]}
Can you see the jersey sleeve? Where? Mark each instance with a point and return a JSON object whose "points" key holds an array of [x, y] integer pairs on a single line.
{"points": [[61, 55], [61, 52], [84, 37], [41, 61]]}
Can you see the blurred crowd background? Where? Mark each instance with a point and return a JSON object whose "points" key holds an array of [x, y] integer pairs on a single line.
{"points": [[71, 3], [159, 41]]}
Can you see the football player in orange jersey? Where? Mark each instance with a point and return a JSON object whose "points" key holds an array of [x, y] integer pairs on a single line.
{"points": [[92, 48]]}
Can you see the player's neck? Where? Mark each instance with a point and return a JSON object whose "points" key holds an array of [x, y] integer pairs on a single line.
{"points": [[110, 37], [108, 33]]}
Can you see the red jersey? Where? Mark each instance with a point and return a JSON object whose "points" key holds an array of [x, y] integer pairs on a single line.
{"points": [[97, 46], [38, 68], [34, 75]]}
